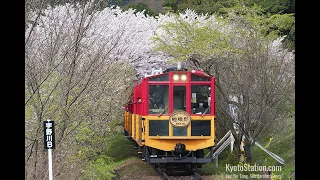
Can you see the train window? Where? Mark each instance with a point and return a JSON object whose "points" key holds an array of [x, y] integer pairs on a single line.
{"points": [[160, 78], [159, 127], [199, 78], [201, 127], [158, 99], [179, 131], [200, 99], [179, 98]]}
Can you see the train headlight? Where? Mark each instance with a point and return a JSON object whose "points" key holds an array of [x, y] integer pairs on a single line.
{"points": [[176, 77], [183, 77]]}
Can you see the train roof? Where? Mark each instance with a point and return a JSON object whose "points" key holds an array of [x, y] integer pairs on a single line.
{"points": [[160, 72]]}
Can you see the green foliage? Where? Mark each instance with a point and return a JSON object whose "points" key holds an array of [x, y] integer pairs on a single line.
{"points": [[282, 144], [187, 40], [203, 41], [91, 144], [134, 168], [277, 16], [100, 168], [172, 4], [204, 6], [190, 39], [279, 22], [270, 26], [84, 133], [275, 6], [118, 2], [282, 25], [101, 165], [267, 8], [226, 157], [214, 6], [120, 148], [141, 7]]}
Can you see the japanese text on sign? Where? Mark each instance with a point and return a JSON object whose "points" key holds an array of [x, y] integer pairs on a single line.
{"points": [[49, 134]]}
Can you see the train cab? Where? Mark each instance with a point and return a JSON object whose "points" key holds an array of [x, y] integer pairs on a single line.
{"points": [[171, 116]]}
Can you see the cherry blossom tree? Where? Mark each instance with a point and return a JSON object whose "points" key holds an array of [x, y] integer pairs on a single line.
{"points": [[79, 70], [80, 66], [252, 71]]}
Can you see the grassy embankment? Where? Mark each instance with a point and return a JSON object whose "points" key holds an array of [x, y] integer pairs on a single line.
{"points": [[282, 143], [129, 166], [127, 163]]}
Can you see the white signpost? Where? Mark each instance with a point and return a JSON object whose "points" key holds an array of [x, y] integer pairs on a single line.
{"points": [[49, 142]]}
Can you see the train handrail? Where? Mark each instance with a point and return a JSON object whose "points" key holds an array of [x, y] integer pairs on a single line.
{"points": [[222, 144]]}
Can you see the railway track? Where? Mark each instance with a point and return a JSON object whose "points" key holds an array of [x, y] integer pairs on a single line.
{"points": [[168, 174], [163, 175]]}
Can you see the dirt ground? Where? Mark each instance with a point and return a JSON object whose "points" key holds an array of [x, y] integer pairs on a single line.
{"points": [[136, 169]]}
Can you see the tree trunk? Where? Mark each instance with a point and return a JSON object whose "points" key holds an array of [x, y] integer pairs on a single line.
{"points": [[237, 143], [249, 151]]}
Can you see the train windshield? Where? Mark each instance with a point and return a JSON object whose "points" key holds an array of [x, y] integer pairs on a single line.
{"points": [[179, 98], [158, 99], [200, 99]]}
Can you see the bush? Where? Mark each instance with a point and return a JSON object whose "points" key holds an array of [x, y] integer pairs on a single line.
{"points": [[101, 168]]}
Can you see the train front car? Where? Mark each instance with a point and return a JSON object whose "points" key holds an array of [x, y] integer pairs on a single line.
{"points": [[173, 117]]}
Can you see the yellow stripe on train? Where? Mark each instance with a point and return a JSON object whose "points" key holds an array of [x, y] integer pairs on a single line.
{"points": [[159, 133]]}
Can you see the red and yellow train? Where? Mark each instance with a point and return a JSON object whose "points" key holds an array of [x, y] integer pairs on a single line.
{"points": [[171, 117]]}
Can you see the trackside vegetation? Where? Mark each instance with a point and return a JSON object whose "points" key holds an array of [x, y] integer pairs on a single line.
{"points": [[280, 141], [122, 160]]}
